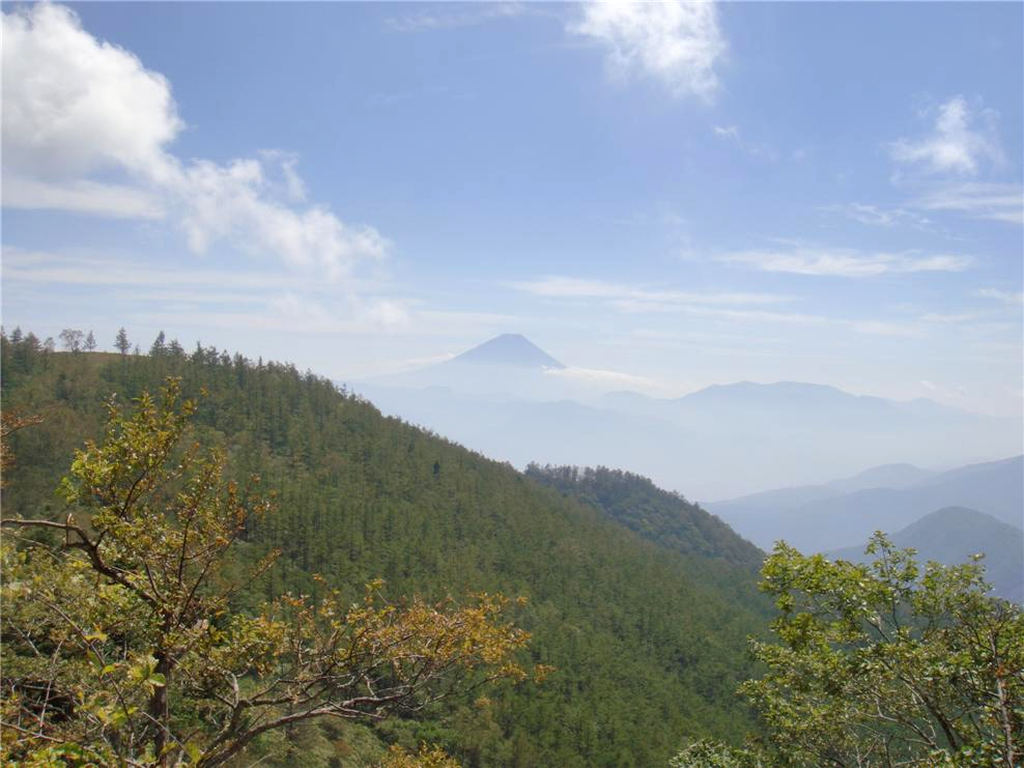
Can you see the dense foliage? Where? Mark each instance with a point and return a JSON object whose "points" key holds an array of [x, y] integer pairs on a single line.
{"points": [[120, 643], [648, 647], [883, 664], [656, 514]]}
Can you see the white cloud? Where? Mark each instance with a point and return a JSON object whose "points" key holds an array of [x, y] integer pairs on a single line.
{"points": [[675, 42], [760, 317], [626, 298], [388, 314], [809, 260], [732, 133], [988, 201], [73, 104], [272, 300], [735, 307], [217, 202], [883, 328], [940, 318], [947, 393], [344, 313], [119, 201], [90, 269], [570, 287], [466, 15], [601, 377], [874, 216], [75, 107], [1007, 297], [421, 362], [957, 144]]}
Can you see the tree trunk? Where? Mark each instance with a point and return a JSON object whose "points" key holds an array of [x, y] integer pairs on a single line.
{"points": [[159, 708]]}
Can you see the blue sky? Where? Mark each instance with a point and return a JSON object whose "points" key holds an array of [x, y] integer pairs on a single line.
{"points": [[663, 196]]}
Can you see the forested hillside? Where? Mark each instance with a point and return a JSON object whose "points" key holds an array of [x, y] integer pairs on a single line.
{"points": [[658, 515], [648, 640]]}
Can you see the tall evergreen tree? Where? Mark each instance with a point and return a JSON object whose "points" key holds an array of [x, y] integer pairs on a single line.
{"points": [[121, 343], [159, 346]]}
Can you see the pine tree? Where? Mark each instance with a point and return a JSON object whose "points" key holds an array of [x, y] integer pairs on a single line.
{"points": [[121, 343], [155, 522], [159, 346]]}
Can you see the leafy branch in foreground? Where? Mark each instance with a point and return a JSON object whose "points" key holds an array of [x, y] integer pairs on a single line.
{"points": [[883, 664], [119, 640]]}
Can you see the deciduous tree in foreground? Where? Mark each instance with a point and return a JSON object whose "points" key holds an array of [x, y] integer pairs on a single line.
{"points": [[886, 664], [120, 644]]}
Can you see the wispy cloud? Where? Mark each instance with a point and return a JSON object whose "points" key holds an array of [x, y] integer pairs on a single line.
{"points": [[76, 269], [727, 132], [108, 153], [118, 201], [820, 261], [603, 378], [976, 200], [730, 307], [961, 141], [946, 318], [454, 15], [273, 299], [874, 216], [635, 299], [1013, 298], [675, 42], [760, 317], [732, 133]]}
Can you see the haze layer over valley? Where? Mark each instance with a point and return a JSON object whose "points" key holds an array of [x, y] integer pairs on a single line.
{"points": [[509, 399]]}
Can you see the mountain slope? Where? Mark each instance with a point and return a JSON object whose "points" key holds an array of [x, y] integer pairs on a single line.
{"points": [[952, 535], [665, 518], [996, 488], [648, 647], [884, 476], [898, 475], [512, 349]]}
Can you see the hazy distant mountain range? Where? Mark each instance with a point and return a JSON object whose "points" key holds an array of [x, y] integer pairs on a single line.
{"points": [[952, 535], [511, 400], [834, 515]]}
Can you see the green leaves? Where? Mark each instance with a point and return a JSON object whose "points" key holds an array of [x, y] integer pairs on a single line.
{"points": [[143, 672], [888, 665], [133, 612]]}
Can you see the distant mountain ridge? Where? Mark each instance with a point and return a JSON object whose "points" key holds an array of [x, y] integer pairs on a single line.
{"points": [[897, 475], [512, 400], [832, 518], [952, 535], [792, 396]]}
